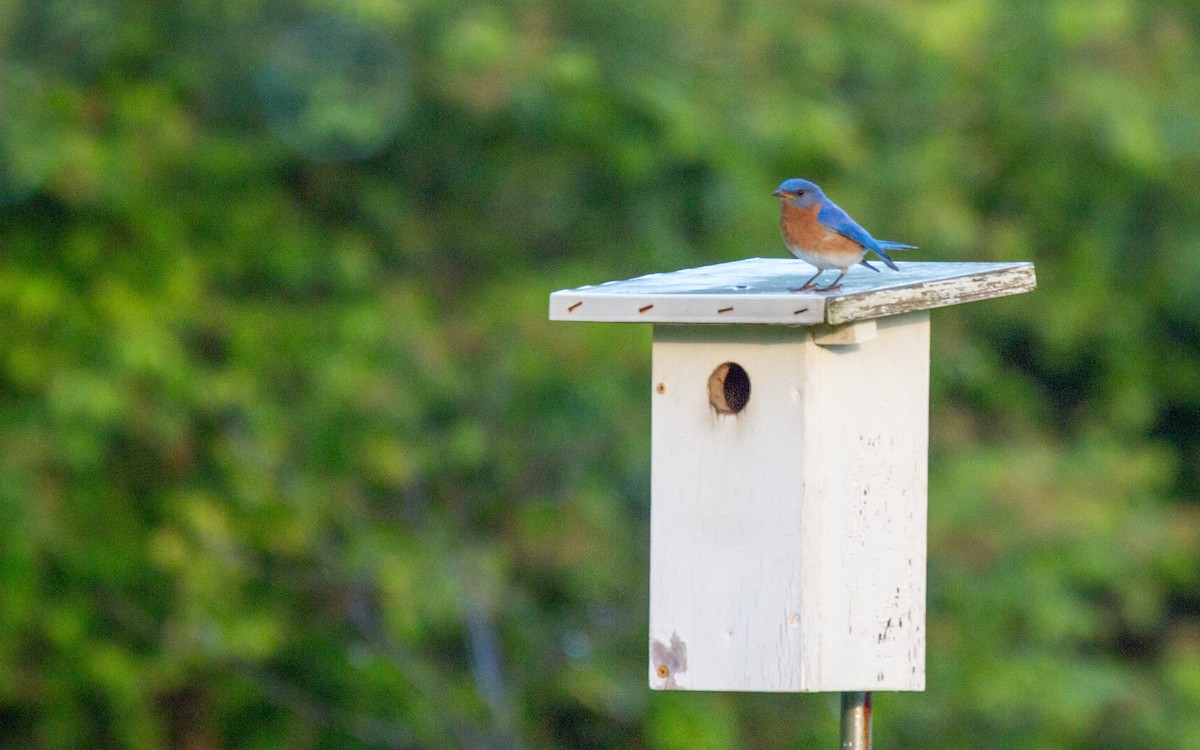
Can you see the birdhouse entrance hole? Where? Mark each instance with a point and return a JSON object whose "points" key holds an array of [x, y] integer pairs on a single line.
{"points": [[729, 388]]}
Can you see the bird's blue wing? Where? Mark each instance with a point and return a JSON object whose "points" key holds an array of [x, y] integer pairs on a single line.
{"points": [[832, 216]]}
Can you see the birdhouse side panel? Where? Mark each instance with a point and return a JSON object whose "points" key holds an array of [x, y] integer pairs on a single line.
{"points": [[864, 520]]}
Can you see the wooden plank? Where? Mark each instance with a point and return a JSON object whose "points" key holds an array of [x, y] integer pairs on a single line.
{"points": [[687, 308], [934, 292], [756, 290], [725, 513], [857, 332], [864, 529]]}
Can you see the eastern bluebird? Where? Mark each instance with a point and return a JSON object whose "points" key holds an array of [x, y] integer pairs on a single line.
{"points": [[816, 230]]}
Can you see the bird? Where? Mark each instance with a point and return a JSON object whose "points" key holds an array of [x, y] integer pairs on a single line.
{"points": [[818, 231]]}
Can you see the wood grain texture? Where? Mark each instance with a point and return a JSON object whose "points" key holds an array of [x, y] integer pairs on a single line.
{"points": [[931, 293], [756, 291], [788, 540]]}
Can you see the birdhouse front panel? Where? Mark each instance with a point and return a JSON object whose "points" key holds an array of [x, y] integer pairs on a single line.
{"points": [[788, 506]]}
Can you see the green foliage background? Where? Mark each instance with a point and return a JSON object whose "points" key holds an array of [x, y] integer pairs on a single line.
{"points": [[291, 456]]}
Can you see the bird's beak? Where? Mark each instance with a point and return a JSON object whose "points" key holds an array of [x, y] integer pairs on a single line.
{"points": [[778, 193]]}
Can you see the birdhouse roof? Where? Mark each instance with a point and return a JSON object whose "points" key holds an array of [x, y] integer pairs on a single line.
{"points": [[756, 290]]}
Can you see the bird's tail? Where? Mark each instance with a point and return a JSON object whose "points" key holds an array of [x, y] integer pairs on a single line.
{"points": [[887, 259], [886, 245]]}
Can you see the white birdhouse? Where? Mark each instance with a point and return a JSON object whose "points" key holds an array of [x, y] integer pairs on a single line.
{"points": [[789, 455]]}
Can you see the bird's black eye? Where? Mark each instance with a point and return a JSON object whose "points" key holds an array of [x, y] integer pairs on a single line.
{"points": [[799, 193]]}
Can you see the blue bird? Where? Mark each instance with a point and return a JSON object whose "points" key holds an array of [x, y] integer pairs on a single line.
{"points": [[816, 230]]}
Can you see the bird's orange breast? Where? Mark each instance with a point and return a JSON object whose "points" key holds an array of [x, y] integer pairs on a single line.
{"points": [[814, 242]]}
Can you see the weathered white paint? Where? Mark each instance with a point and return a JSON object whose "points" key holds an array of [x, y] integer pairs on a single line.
{"points": [[756, 291], [788, 540]]}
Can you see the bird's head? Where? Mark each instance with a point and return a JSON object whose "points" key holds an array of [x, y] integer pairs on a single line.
{"points": [[800, 193]]}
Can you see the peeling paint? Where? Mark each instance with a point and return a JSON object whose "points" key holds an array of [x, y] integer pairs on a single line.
{"points": [[668, 661], [933, 293]]}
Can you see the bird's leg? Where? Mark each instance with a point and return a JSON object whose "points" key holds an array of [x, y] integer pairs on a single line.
{"points": [[809, 284], [835, 284]]}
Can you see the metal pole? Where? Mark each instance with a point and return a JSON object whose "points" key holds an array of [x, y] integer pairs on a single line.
{"points": [[856, 721]]}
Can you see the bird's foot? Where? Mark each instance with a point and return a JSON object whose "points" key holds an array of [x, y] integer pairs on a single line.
{"points": [[804, 288], [831, 288]]}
